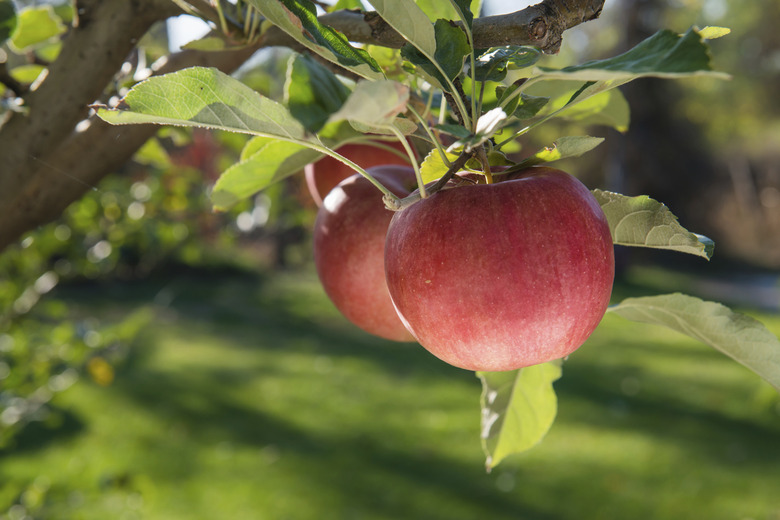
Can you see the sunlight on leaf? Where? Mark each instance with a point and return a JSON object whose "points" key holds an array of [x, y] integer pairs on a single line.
{"points": [[204, 97], [298, 18], [312, 92], [494, 63], [664, 54], [272, 160], [645, 222], [433, 167], [710, 33], [207, 43], [409, 21], [451, 50], [35, 25], [374, 103], [518, 409], [740, 337], [562, 148]]}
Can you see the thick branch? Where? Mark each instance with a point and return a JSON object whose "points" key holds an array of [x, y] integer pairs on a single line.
{"points": [[102, 37], [85, 157], [540, 25]]}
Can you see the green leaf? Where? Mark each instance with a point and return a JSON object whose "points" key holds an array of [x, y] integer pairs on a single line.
{"points": [[374, 103], [644, 222], [347, 4], [523, 106], [494, 63], [665, 54], [433, 167], [452, 47], [207, 43], [454, 130], [464, 12], [312, 92], [401, 124], [740, 337], [409, 21], [518, 409], [35, 25], [27, 73], [270, 161], [8, 19], [562, 148], [153, 153], [265, 161], [204, 97], [710, 33], [298, 18], [436, 9], [588, 103]]}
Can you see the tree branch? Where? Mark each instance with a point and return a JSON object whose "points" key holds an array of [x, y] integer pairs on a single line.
{"points": [[540, 25], [85, 157], [103, 35]]}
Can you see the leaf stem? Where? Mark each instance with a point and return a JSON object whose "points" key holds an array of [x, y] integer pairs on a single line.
{"points": [[401, 137], [388, 195], [400, 204], [431, 135]]}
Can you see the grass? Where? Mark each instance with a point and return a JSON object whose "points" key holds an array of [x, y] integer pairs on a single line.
{"points": [[250, 397]]}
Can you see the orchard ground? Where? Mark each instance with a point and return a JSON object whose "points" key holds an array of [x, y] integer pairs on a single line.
{"points": [[251, 397]]}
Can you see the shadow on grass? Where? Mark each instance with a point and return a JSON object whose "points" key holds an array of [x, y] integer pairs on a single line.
{"points": [[250, 311], [58, 426], [363, 469], [672, 411]]}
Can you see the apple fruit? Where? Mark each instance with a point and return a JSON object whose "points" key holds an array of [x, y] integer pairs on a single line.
{"points": [[501, 276], [323, 175], [349, 244]]}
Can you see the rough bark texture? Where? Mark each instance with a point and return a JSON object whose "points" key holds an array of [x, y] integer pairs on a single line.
{"points": [[540, 25], [47, 163]]}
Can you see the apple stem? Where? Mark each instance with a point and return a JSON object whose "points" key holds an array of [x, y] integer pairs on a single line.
{"points": [[397, 204], [483, 159]]}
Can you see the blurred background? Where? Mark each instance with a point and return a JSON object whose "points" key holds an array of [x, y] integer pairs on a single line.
{"points": [[159, 360]]}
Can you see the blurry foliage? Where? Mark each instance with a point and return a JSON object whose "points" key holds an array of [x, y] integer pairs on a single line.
{"points": [[155, 215]]}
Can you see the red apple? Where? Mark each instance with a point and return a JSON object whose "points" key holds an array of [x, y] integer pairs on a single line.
{"points": [[349, 245], [323, 175], [501, 276]]}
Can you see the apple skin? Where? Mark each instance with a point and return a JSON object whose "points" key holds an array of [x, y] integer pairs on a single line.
{"points": [[323, 175], [501, 276], [349, 244]]}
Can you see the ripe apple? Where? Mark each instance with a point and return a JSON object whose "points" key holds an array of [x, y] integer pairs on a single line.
{"points": [[349, 244], [501, 276], [323, 175]]}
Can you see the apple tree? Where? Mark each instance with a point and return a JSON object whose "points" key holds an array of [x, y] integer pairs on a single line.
{"points": [[493, 261]]}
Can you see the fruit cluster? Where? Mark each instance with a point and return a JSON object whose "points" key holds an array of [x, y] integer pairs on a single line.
{"points": [[487, 277]]}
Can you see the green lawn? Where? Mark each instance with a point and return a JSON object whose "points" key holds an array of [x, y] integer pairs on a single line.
{"points": [[251, 398]]}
